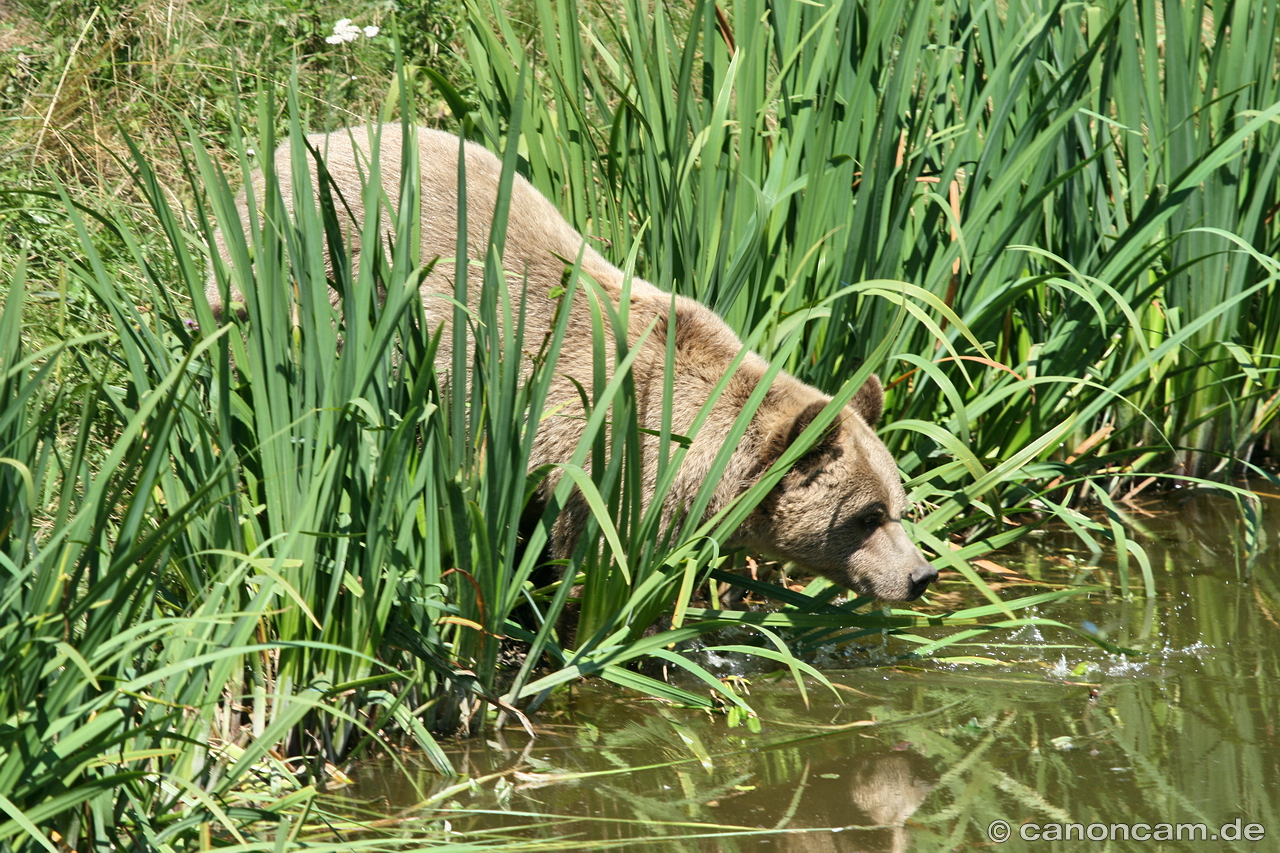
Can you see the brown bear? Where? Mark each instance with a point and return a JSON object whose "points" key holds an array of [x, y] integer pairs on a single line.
{"points": [[837, 512]]}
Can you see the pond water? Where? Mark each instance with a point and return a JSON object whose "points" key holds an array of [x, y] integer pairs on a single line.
{"points": [[1057, 743]]}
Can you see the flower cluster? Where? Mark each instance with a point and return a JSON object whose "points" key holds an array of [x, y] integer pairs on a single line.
{"points": [[345, 31]]}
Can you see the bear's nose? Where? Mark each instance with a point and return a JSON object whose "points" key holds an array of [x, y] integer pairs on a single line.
{"points": [[920, 580]]}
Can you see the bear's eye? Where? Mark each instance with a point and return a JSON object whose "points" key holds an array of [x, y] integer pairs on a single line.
{"points": [[871, 518]]}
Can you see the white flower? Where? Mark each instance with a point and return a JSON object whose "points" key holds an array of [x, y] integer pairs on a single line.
{"points": [[343, 31], [370, 32]]}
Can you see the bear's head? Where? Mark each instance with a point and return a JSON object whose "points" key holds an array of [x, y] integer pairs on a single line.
{"points": [[838, 511]]}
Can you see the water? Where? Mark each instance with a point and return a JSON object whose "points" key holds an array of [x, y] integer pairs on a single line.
{"points": [[1053, 739]]}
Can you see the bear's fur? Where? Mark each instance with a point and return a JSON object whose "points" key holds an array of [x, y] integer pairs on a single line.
{"points": [[837, 512]]}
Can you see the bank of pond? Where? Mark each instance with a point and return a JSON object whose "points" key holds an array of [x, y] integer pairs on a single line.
{"points": [[1033, 737]]}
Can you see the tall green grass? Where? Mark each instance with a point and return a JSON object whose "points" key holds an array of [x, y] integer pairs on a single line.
{"points": [[1091, 288], [288, 550], [300, 539]]}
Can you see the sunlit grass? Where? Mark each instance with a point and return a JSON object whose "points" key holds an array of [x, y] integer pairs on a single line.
{"points": [[1076, 334]]}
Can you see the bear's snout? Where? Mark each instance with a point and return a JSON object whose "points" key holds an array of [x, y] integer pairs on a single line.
{"points": [[920, 580]]}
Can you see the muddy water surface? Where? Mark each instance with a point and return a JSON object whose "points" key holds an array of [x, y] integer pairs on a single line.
{"points": [[1053, 744]]}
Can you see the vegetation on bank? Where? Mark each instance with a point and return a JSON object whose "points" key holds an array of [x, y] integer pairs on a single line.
{"points": [[218, 576]]}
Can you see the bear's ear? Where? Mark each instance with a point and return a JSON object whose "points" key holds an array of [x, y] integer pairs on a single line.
{"points": [[869, 401], [787, 433]]}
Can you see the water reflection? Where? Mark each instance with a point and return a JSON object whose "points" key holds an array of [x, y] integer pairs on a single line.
{"points": [[931, 757], [869, 796]]}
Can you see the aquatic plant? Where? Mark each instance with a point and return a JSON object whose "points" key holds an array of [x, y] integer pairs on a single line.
{"points": [[1086, 277]]}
